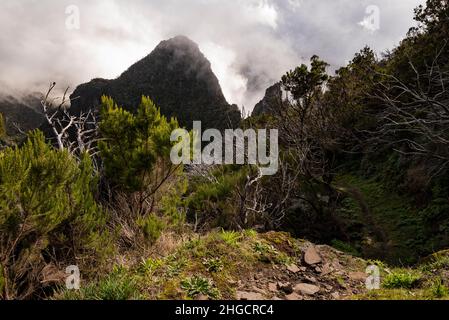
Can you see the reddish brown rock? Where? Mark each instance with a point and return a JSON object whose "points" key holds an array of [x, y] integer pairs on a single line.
{"points": [[312, 256], [308, 289]]}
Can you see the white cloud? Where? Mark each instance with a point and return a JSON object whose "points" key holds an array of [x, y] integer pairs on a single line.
{"points": [[262, 12], [233, 84], [250, 43]]}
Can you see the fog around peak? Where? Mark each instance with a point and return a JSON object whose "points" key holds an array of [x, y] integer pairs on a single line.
{"points": [[250, 43]]}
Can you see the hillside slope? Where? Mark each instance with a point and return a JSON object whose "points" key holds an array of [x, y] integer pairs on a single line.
{"points": [[253, 266], [21, 113]]}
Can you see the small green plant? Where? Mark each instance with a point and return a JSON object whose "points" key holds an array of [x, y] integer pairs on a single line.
{"points": [[401, 279], [196, 285], [192, 244], [439, 290], [116, 286], [150, 265], [231, 238], [282, 258], [341, 281], [262, 248], [175, 266], [213, 264], [267, 253]]}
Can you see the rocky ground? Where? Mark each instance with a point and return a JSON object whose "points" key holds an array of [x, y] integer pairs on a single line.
{"points": [[252, 266], [321, 273]]}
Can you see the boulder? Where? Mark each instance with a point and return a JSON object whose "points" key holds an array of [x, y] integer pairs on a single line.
{"points": [[312, 256], [307, 289]]}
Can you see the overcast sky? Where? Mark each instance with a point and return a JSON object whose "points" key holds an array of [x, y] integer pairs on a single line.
{"points": [[250, 43]]}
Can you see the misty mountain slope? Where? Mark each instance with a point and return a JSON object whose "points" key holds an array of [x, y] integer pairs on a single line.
{"points": [[271, 99], [177, 76], [21, 112]]}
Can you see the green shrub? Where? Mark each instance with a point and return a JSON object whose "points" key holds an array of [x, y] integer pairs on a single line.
{"points": [[213, 264], [173, 203], [132, 144], [47, 208], [152, 227], [439, 262], [196, 285], [401, 279]]}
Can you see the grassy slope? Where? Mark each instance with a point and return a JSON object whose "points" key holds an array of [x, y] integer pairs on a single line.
{"points": [[218, 264]]}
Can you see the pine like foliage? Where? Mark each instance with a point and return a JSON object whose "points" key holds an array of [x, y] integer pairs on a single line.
{"points": [[47, 209], [133, 144]]}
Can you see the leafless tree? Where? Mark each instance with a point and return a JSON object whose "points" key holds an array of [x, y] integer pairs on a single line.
{"points": [[415, 117], [77, 134]]}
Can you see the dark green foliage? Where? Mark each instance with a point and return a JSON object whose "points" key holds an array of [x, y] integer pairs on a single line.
{"points": [[152, 227], [135, 150], [47, 205], [349, 94], [394, 203], [382, 223], [423, 43], [133, 145], [302, 83]]}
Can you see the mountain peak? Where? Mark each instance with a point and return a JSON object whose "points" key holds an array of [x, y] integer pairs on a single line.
{"points": [[177, 77], [179, 41]]}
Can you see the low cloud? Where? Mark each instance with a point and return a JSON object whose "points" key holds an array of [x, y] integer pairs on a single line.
{"points": [[250, 43]]}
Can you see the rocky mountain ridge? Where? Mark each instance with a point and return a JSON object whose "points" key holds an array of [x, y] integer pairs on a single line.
{"points": [[177, 77]]}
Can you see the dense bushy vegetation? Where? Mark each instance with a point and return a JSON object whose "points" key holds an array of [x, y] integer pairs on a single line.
{"points": [[369, 146], [48, 214], [364, 166]]}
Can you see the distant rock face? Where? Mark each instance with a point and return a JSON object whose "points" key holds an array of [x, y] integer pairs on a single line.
{"points": [[270, 101], [21, 113], [179, 79]]}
